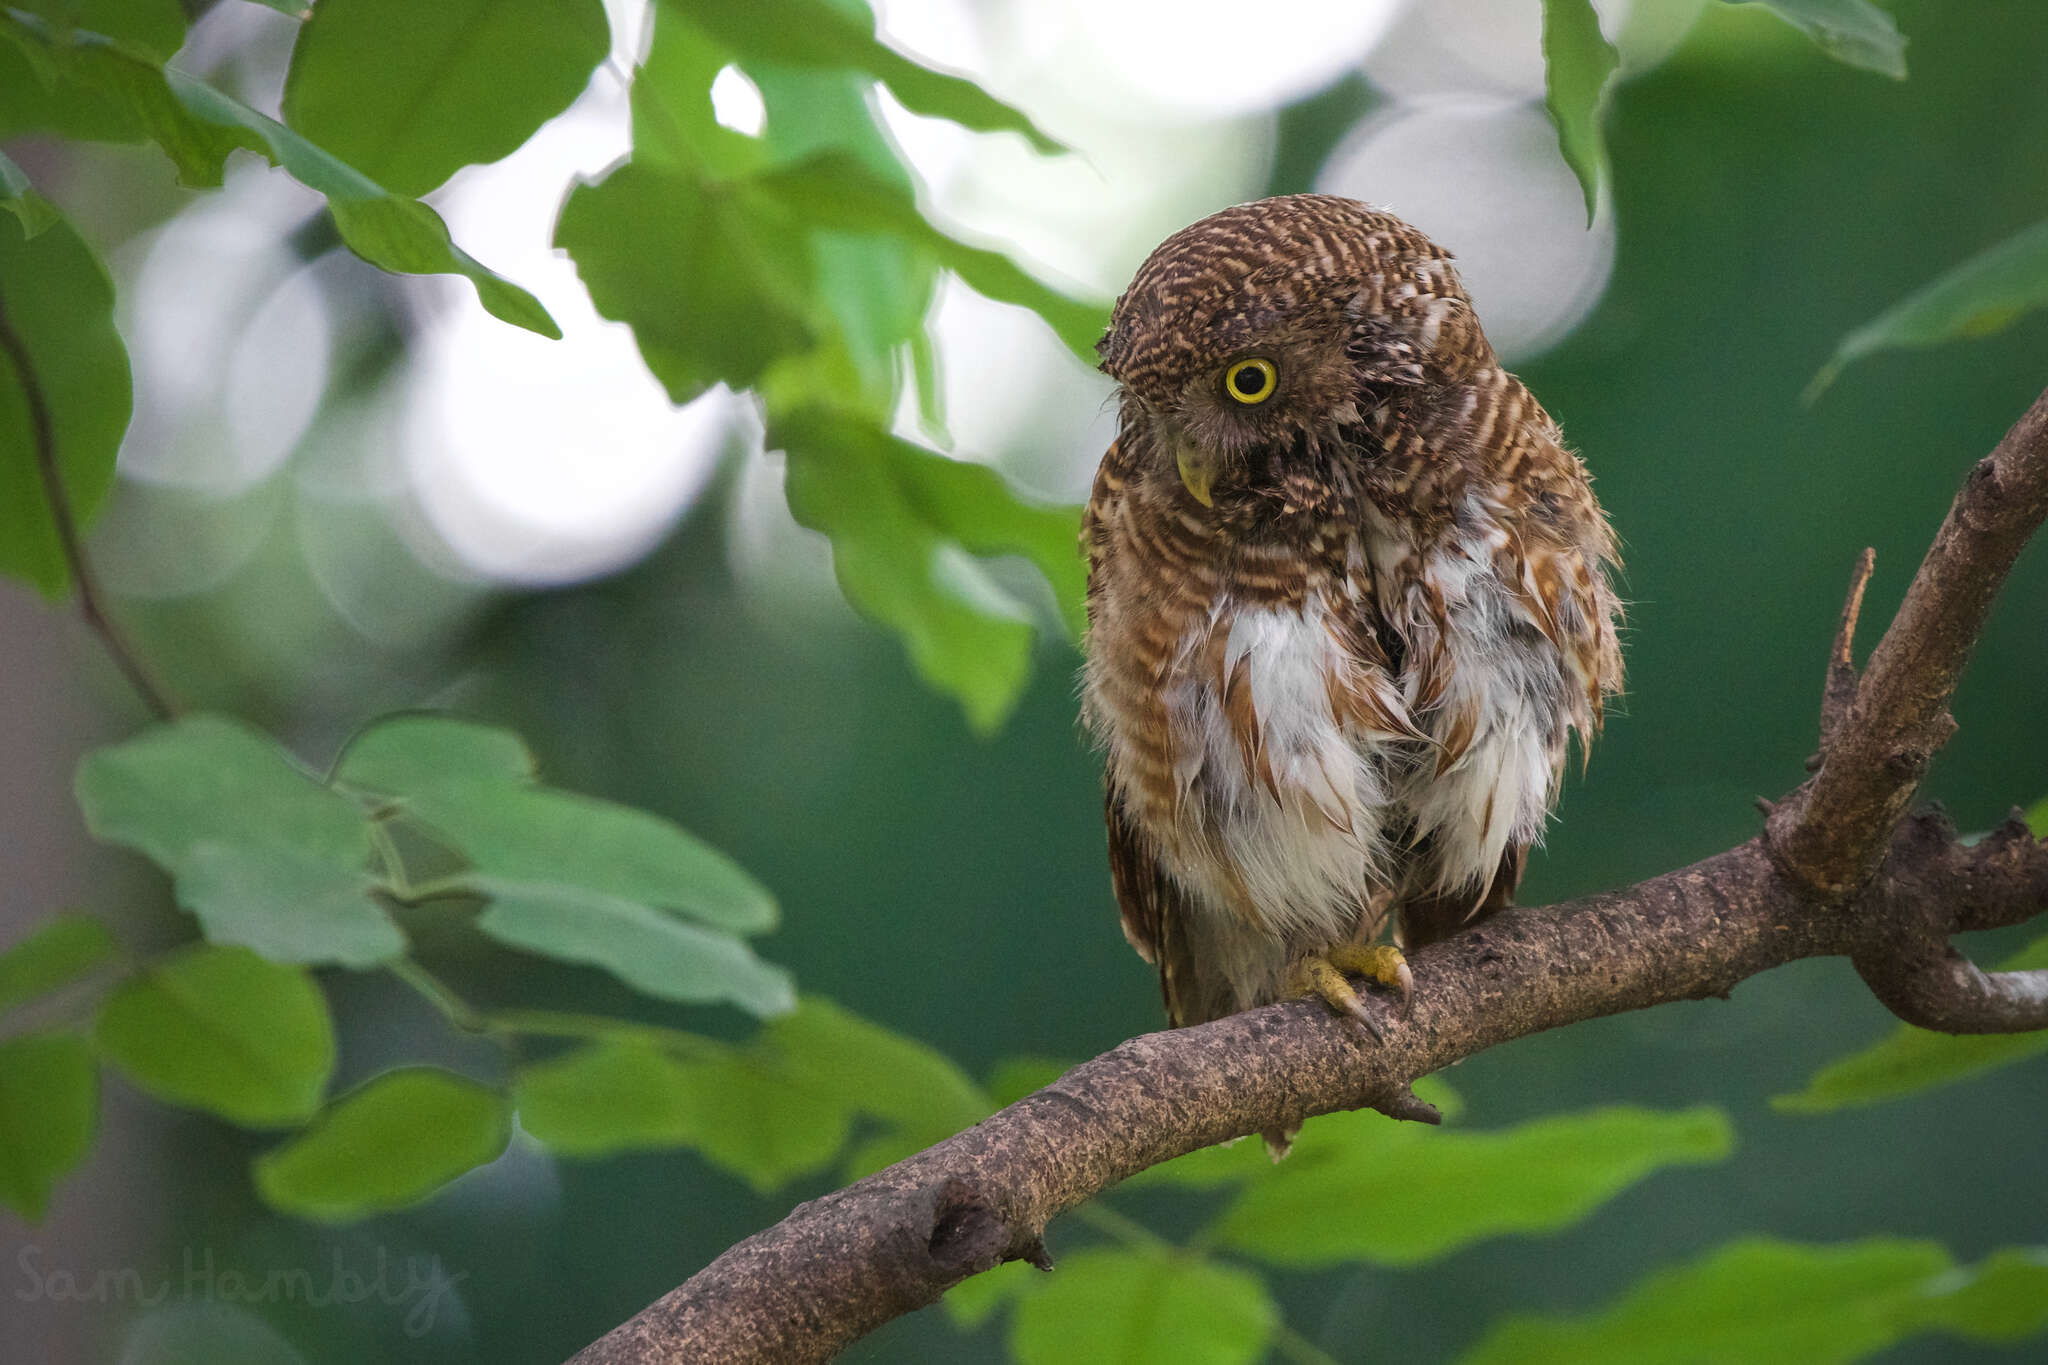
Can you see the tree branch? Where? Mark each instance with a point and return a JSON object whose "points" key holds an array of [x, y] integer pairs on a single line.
{"points": [[1837, 873], [91, 602]]}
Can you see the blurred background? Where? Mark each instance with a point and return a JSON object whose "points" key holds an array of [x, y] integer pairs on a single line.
{"points": [[345, 492]]}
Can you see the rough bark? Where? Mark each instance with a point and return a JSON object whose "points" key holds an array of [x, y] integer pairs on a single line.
{"points": [[1836, 873]]}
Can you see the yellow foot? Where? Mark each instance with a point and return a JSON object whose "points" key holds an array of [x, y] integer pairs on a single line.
{"points": [[1323, 975]]}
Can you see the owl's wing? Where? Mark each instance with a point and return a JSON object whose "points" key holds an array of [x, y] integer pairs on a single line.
{"points": [[1155, 913]]}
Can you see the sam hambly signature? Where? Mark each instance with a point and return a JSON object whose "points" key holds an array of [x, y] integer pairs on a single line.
{"points": [[419, 1284]]}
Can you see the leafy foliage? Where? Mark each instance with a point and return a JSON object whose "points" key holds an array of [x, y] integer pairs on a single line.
{"points": [[390, 1143], [1578, 61], [409, 94], [1770, 1300], [1431, 1192], [58, 307], [222, 1029], [49, 1101], [55, 953]]}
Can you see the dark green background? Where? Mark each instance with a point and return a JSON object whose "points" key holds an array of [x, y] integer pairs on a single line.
{"points": [[1767, 201]]}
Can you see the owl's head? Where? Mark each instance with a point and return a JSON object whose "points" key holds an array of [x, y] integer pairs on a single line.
{"points": [[1274, 326]]}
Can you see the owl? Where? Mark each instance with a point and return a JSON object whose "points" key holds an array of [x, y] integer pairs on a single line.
{"points": [[1348, 600]]}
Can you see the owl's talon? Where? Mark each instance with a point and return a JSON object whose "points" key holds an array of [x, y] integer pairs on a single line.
{"points": [[1322, 975], [1382, 963]]}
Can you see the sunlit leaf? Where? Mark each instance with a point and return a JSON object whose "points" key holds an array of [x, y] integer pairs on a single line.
{"points": [[896, 514], [1769, 1300], [609, 1097], [1420, 1193], [1911, 1060], [1143, 1307], [1985, 294], [287, 905], [409, 93], [1578, 61], [515, 832], [206, 779], [386, 1145], [831, 1051], [813, 33], [57, 306], [49, 1102], [649, 949], [1852, 31], [387, 230], [223, 1030], [414, 750], [19, 197], [715, 280], [835, 189], [55, 953]]}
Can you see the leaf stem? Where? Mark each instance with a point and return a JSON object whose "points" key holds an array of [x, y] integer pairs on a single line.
{"points": [[91, 603], [507, 1024]]}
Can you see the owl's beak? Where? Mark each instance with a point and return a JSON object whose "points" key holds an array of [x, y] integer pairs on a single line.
{"points": [[1197, 470]]}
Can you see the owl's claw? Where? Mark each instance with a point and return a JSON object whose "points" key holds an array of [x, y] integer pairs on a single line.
{"points": [[1323, 976]]}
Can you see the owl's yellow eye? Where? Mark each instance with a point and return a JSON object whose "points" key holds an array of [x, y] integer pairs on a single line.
{"points": [[1251, 381]]}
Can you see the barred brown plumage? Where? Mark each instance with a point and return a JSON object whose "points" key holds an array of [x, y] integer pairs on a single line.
{"points": [[1339, 633]]}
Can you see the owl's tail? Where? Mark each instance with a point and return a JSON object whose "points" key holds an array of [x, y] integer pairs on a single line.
{"points": [[1430, 919]]}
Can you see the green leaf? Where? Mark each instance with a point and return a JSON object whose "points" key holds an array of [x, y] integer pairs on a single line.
{"points": [[833, 1052], [752, 1122], [414, 750], [56, 952], [1431, 1192], [1144, 1307], [813, 33], [386, 1145], [49, 1102], [2036, 817], [518, 833], [1911, 1060], [836, 189], [409, 94], [390, 232], [205, 779], [58, 307], [223, 1030], [1855, 32], [1983, 295], [613, 1096], [903, 521], [715, 281], [650, 950], [287, 905], [89, 86], [1577, 63], [151, 28], [1768, 1300], [19, 197]]}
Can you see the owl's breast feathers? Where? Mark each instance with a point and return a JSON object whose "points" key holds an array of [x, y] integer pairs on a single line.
{"points": [[1349, 687]]}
